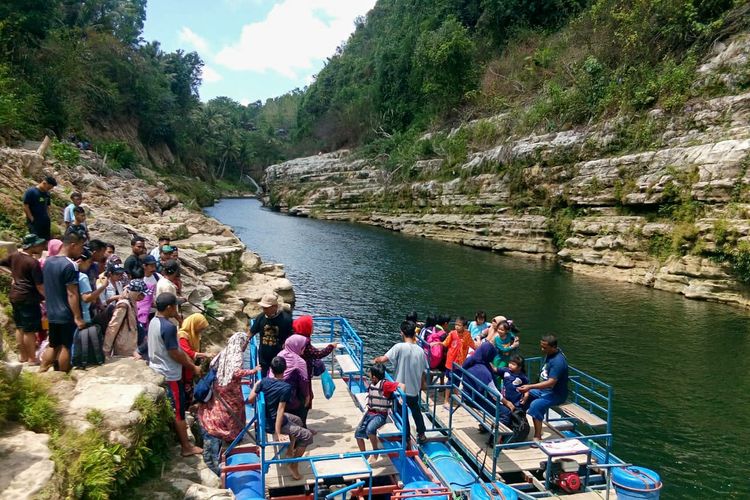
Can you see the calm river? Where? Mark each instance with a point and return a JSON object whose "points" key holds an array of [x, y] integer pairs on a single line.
{"points": [[679, 367]]}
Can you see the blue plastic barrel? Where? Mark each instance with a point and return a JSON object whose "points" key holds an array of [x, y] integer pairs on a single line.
{"points": [[414, 485], [245, 485], [498, 490], [636, 483]]}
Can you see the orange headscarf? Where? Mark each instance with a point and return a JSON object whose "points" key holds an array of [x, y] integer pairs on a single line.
{"points": [[303, 326], [190, 330]]}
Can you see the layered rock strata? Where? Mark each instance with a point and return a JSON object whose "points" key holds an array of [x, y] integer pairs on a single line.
{"points": [[660, 199]]}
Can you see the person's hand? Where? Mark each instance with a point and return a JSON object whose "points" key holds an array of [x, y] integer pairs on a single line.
{"points": [[80, 323], [200, 355], [335, 345], [524, 398], [524, 389]]}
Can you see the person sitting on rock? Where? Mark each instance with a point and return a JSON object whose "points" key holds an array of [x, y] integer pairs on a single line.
{"points": [[167, 359], [274, 326], [26, 295], [68, 217], [134, 264], [79, 224], [223, 417], [121, 337], [277, 394]]}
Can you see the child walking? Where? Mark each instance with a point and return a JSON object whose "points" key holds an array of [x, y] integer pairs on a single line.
{"points": [[379, 395]]}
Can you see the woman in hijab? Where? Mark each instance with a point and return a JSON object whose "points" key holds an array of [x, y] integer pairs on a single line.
{"points": [[296, 375], [311, 354], [53, 248], [189, 338], [480, 385], [223, 417]]}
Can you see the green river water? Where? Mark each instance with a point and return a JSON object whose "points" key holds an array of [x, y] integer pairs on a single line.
{"points": [[679, 367]]}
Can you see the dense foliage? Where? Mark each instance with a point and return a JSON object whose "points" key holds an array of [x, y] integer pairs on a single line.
{"points": [[74, 68]]}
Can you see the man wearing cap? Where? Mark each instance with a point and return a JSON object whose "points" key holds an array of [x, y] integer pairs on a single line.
{"points": [[166, 254], [26, 295], [36, 202], [63, 302], [167, 359], [150, 278], [133, 264], [156, 251], [274, 326], [121, 337]]}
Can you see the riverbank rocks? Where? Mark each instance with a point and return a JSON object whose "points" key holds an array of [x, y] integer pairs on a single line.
{"points": [[26, 465], [650, 212]]}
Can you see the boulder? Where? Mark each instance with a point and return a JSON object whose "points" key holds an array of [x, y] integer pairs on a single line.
{"points": [[26, 465]]}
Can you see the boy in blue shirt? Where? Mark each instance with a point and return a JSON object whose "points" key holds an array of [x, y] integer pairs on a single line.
{"points": [[552, 388], [277, 394]]}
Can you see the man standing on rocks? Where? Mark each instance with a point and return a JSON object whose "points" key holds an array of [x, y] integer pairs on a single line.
{"points": [[134, 264], [36, 202], [26, 295], [166, 358], [63, 302], [156, 252], [274, 326]]}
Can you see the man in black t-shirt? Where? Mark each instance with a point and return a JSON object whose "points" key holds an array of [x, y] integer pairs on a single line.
{"points": [[26, 295], [36, 201], [274, 326], [134, 264], [63, 302]]}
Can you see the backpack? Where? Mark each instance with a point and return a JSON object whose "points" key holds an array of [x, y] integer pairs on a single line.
{"points": [[87, 347], [435, 353], [519, 424], [203, 390]]}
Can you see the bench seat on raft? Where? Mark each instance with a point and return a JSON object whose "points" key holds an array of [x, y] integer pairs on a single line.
{"points": [[580, 414]]}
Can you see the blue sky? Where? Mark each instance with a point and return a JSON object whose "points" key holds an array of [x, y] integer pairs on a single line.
{"points": [[254, 49]]}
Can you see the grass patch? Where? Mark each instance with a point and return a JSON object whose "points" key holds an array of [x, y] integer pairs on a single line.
{"points": [[65, 152]]}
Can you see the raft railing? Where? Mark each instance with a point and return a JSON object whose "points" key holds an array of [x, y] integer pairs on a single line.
{"points": [[484, 406], [336, 329]]}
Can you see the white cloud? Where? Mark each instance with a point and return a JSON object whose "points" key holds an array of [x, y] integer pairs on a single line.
{"points": [[245, 101], [210, 75], [294, 34], [194, 39]]}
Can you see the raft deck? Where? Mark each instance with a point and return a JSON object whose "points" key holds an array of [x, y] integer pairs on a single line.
{"points": [[335, 421]]}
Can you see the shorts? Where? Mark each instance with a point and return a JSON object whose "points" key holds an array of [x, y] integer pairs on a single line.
{"points": [[541, 401], [61, 334], [27, 317], [176, 395], [294, 428], [369, 425]]}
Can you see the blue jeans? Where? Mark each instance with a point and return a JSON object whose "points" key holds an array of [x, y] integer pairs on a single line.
{"points": [[369, 425], [540, 401], [212, 452]]}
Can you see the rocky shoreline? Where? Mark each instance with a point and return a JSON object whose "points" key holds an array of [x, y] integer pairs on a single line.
{"points": [[217, 267], [659, 199]]}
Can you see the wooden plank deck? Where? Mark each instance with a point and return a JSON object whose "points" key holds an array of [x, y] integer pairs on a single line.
{"points": [[466, 431], [334, 420]]}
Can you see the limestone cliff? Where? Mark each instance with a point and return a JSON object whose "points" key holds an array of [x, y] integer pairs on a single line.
{"points": [[660, 199], [110, 406]]}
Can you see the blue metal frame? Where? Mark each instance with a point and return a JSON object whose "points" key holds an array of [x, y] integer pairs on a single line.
{"points": [[329, 329]]}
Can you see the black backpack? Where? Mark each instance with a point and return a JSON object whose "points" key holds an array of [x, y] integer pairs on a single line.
{"points": [[519, 424], [87, 347]]}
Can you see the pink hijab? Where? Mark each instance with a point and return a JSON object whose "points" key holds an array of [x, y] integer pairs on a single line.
{"points": [[292, 354], [53, 248]]}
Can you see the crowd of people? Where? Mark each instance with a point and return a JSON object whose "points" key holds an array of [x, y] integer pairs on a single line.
{"points": [[76, 303]]}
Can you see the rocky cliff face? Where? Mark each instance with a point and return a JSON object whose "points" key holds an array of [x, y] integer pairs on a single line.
{"points": [[660, 199], [216, 267]]}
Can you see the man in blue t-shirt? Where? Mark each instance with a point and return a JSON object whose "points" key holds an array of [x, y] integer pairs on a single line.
{"points": [[552, 388], [63, 302], [36, 201], [277, 393], [167, 359]]}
